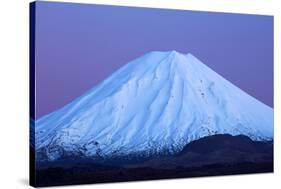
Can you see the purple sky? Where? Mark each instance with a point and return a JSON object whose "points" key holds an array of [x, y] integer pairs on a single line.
{"points": [[79, 45]]}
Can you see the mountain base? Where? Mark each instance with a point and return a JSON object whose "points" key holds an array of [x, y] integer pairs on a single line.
{"points": [[62, 176]]}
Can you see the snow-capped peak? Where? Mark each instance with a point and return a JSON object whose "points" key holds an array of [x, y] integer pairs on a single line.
{"points": [[156, 103]]}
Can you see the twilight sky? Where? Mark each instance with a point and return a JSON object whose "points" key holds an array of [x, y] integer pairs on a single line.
{"points": [[79, 45]]}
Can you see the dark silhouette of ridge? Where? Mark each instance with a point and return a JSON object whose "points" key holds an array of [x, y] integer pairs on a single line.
{"points": [[208, 156]]}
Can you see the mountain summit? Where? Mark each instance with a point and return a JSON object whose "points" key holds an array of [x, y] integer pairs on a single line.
{"points": [[157, 103]]}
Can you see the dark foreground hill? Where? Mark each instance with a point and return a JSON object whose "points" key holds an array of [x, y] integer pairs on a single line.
{"points": [[208, 156]]}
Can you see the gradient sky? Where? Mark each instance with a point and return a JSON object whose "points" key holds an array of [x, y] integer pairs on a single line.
{"points": [[79, 45]]}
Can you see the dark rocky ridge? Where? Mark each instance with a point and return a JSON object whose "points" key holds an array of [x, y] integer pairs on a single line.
{"points": [[208, 156]]}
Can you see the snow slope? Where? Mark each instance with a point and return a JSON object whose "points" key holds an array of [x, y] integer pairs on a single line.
{"points": [[158, 102]]}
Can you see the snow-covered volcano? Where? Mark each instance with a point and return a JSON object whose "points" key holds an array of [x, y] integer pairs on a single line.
{"points": [[158, 102]]}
